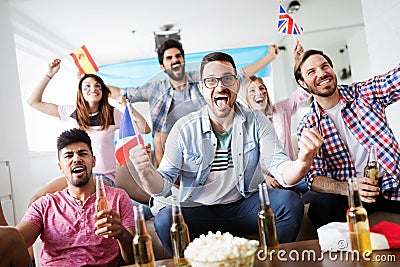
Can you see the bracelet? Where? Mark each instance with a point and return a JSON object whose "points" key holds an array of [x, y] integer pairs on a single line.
{"points": [[48, 76]]}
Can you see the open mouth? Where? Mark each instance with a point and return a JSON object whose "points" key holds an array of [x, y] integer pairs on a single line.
{"points": [[325, 80], [221, 101], [176, 67], [78, 170], [259, 100]]}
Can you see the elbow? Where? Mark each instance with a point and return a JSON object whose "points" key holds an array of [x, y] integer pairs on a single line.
{"points": [[30, 102], [147, 129]]}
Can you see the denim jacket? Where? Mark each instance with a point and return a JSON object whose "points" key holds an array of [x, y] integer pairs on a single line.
{"points": [[191, 146]]}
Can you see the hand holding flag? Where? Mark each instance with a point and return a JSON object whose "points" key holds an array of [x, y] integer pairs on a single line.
{"points": [[286, 23], [84, 61], [128, 137]]}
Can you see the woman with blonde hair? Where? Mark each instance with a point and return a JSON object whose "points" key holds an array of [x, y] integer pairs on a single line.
{"points": [[279, 114]]}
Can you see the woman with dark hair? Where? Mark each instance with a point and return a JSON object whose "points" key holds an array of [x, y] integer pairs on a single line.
{"points": [[92, 113]]}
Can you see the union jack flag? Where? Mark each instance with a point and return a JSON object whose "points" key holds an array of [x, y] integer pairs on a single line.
{"points": [[286, 23]]}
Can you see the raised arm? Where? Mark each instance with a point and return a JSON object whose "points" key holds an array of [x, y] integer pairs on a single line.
{"points": [[309, 144], [255, 67], [152, 180], [297, 50], [35, 99]]}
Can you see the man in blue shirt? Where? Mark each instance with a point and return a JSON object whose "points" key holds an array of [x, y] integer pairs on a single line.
{"points": [[216, 153]]}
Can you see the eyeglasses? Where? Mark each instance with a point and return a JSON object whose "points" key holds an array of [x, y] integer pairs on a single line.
{"points": [[227, 80]]}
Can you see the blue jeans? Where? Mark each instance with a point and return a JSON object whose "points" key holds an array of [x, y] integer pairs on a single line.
{"points": [[325, 208], [238, 218], [146, 210]]}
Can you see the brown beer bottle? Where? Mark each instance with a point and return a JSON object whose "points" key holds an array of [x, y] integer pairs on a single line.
{"points": [[142, 244], [101, 202], [266, 222], [357, 219], [371, 170], [179, 234]]}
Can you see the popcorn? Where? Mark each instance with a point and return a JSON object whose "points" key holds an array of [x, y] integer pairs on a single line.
{"points": [[219, 247]]}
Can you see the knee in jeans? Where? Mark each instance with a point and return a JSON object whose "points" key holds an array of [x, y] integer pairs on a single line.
{"points": [[162, 222]]}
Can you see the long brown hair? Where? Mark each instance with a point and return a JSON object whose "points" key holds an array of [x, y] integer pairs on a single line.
{"points": [[269, 107], [105, 109]]}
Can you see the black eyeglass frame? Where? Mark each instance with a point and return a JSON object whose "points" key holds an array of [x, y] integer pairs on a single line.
{"points": [[221, 79]]}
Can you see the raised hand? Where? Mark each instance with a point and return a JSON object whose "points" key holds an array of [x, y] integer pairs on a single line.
{"points": [[310, 141], [298, 50], [54, 67]]}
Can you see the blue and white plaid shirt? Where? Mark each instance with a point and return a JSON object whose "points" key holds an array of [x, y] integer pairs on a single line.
{"points": [[159, 95], [363, 110]]}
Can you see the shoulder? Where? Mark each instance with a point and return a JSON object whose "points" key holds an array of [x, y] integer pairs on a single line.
{"points": [[193, 76], [309, 119]]}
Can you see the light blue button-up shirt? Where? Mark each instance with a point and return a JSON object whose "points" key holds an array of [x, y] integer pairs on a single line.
{"points": [[191, 145]]}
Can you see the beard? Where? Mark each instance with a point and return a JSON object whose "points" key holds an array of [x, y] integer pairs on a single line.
{"points": [[326, 92], [79, 182], [215, 106], [176, 77]]}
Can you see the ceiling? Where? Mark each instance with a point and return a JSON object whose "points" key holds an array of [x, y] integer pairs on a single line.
{"points": [[53, 27]]}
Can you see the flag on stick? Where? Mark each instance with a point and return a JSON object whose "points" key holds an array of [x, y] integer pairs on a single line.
{"points": [[286, 23], [84, 61], [128, 137]]}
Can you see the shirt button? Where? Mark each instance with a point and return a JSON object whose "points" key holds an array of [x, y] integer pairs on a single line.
{"points": [[240, 154], [240, 175]]}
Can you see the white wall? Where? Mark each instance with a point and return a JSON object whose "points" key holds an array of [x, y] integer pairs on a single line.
{"points": [[382, 28], [359, 58], [13, 142]]}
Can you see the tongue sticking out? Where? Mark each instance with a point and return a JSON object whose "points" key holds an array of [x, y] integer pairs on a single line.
{"points": [[222, 102]]}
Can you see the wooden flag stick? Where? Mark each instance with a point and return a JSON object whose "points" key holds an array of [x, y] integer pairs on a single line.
{"points": [[134, 124]]}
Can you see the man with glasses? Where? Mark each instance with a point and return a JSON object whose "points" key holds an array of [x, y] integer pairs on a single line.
{"points": [[179, 90], [216, 152]]}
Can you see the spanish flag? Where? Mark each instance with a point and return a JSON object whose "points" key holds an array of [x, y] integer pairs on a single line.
{"points": [[84, 61]]}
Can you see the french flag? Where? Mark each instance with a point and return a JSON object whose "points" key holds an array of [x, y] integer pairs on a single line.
{"points": [[127, 139]]}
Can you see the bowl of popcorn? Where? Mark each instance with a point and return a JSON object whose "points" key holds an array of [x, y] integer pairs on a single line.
{"points": [[221, 250]]}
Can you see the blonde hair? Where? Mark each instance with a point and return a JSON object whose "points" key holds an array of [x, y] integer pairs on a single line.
{"points": [[269, 107]]}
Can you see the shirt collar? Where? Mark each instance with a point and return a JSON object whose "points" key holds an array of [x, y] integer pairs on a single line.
{"points": [[205, 118]]}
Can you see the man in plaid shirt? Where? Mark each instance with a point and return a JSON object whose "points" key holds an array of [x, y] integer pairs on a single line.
{"points": [[351, 119], [180, 89]]}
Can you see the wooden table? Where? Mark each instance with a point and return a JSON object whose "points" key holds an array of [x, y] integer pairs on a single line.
{"points": [[308, 253]]}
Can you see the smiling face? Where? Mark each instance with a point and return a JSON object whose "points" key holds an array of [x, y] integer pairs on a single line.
{"points": [[174, 64], [76, 162], [91, 90], [318, 76], [257, 96], [221, 98]]}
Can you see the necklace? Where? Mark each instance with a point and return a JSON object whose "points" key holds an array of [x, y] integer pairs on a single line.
{"points": [[93, 114]]}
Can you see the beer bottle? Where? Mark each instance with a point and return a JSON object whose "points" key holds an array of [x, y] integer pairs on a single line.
{"points": [[142, 244], [179, 234], [101, 202], [357, 219], [266, 222], [371, 170]]}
